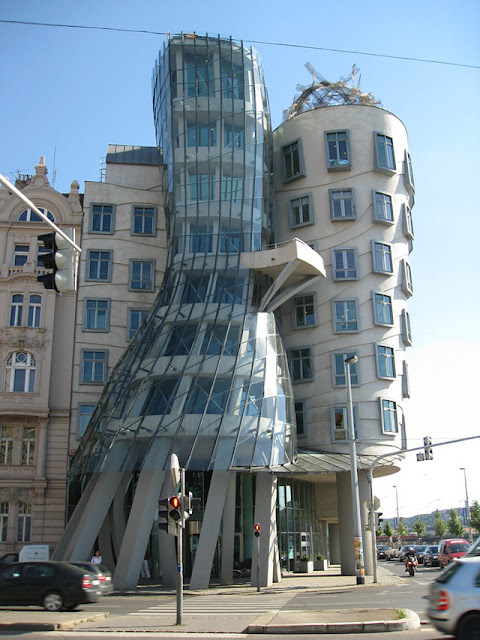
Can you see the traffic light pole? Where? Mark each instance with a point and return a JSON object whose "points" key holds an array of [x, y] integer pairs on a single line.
{"points": [[370, 480], [180, 527], [10, 187]]}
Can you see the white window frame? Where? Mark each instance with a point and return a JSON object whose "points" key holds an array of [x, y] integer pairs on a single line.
{"points": [[406, 328], [390, 406], [386, 354], [20, 250], [301, 201], [408, 222], [336, 164], [405, 381], [4, 508], [343, 251], [341, 372], [376, 319], [12, 366], [342, 196], [408, 173], [344, 302], [27, 456], [383, 140], [382, 254], [343, 409], [380, 209], [16, 310], [35, 310], [24, 522], [407, 285], [7, 439]]}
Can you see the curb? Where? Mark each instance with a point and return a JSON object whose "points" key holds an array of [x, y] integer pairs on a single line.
{"points": [[38, 625], [263, 625]]}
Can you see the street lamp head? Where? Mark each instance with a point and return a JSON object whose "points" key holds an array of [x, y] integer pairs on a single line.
{"points": [[351, 360]]}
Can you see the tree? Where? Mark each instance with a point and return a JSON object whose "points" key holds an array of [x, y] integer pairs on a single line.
{"points": [[475, 516], [455, 525], [402, 529], [419, 527], [388, 529], [439, 525]]}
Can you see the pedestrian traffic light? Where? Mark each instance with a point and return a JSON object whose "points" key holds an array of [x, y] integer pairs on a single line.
{"points": [[187, 505], [256, 530], [427, 445], [61, 259]]}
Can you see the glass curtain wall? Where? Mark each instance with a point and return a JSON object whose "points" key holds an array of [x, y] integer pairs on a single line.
{"points": [[206, 377]]}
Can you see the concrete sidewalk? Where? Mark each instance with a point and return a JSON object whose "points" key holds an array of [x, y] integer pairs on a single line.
{"points": [[273, 621]]}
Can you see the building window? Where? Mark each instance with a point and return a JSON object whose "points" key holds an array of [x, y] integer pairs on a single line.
{"points": [[301, 365], [209, 397], [85, 412], [339, 369], [382, 257], [232, 80], [199, 75], [142, 275], [20, 372], [407, 222], [231, 240], [233, 136], [344, 264], [195, 290], [407, 285], [160, 398], [292, 161], [340, 423], [135, 321], [303, 311], [232, 189], [93, 367], [385, 361], [24, 522], [229, 290], [301, 417], [99, 265], [181, 340], [382, 207], [405, 381], [28, 446], [384, 154], [201, 238], [342, 205], [408, 174], [338, 150], [7, 435], [382, 309], [101, 218], [221, 338], [20, 254], [16, 307], [202, 135], [300, 211], [389, 415], [345, 316], [96, 315], [3, 521], [34, 310], [30, 216], [144, 221], [202, 187], [406, 328]]}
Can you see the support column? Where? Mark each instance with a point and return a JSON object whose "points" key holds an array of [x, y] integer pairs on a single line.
{"points": [[364, 492], [265, 516], [345, 521], [228, 532], [210, 529], [138, 529]]}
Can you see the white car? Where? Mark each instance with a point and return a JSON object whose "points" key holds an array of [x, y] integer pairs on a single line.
{"points": [[454, 605]]}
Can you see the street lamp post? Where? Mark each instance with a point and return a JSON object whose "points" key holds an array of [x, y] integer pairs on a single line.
{"points": [[357, 525], [398, 512], [467, 505]]}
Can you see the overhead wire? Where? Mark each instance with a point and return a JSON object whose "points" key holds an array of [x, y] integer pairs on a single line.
{"points": [[262, 42]]}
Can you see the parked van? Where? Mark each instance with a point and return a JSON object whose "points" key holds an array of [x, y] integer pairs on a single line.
{"points": [[450, 549], [34, 552]]}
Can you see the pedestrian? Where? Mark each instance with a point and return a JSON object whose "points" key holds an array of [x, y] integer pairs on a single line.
{"points": [[96, 558], [145, 572]]}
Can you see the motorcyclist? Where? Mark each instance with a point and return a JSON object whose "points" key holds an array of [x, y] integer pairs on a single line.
{"points": [[410, 555]]}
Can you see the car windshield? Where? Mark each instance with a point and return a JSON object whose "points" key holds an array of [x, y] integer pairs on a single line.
{"points": [[475, 548], [420, 548], [448, 572], [458, 548], [432, 549]]}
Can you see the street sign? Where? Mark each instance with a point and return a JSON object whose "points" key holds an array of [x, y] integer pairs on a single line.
{"points": [[175, 469]]}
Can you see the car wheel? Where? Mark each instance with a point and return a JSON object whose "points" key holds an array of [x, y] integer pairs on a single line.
{"points": [[52, 601], [469, 628]]}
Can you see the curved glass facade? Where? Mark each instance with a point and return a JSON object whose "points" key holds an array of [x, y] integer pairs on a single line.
{"points": [[206, 377]]}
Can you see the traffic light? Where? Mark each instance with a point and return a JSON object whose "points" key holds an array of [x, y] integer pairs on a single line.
{"points": [[187, 504], [172, 514], [378, 520], [427, 444], [61, 259], [256, 530]]}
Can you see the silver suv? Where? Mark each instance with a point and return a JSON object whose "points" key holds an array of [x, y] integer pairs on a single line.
{"points": [[454, 605]]}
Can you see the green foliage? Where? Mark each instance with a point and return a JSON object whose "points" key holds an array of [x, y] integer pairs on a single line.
{"points": [[475, 516], [319, 556], [388, 529], [401, 613], [402, 529], [419, 527], [305, 559], [439, 525], [454, 524]]}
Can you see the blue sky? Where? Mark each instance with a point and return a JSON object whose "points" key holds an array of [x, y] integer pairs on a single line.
{"points": [[72, 92]]}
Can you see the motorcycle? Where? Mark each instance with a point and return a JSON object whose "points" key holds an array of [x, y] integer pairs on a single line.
{"points": [[412, 565]]}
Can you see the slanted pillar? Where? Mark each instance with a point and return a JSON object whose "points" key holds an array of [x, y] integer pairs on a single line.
{"points": [[265, 516], [228, 532]]}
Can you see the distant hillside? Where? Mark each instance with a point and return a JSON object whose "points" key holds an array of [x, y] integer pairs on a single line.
{"points": [[429, 518]]}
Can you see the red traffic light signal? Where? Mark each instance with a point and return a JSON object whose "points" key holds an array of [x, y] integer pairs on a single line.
{"points": [[256, 530], [174, 502]]}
